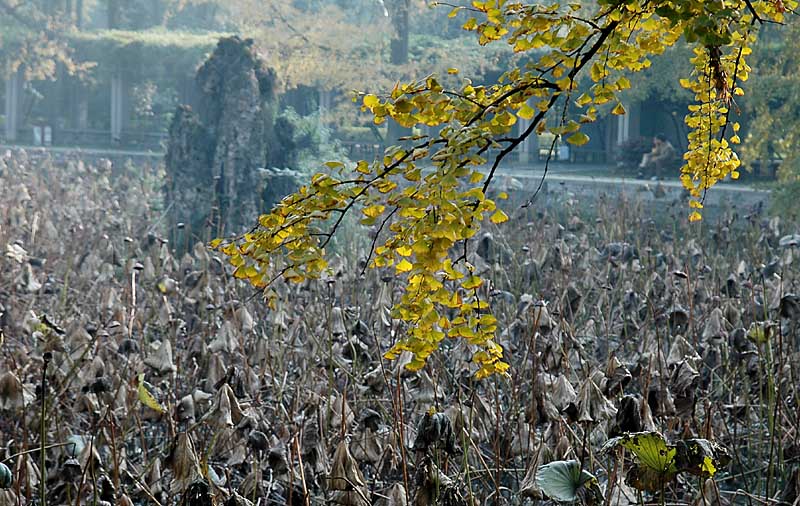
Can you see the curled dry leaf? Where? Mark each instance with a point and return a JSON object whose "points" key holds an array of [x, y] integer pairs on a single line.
{"points": [[593, 406], [529, 486], [225, 411], [682, 350], [367, 447], [629, 416], [12, 392], [184, 463], [396, 496], [790, 307], [185, 411], [345, 479], [562, 393], [340, 414], [161, 359]]}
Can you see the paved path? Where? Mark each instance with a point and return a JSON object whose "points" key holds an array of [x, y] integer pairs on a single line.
{"points": [[581, 183], [581, 175], [99, 152], [579, 178]]}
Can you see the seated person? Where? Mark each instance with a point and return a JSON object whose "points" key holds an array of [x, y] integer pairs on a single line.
{"points": [[660, 158]]}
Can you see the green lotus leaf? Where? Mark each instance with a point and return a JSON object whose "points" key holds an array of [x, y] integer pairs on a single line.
{"points": [[565, 481], [655, 459]]}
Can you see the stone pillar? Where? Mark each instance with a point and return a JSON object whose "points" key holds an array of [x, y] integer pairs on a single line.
{"points": [[13, 101], [214, 155], [526, 147], [623, 128], [81, 107], [117, 107]]}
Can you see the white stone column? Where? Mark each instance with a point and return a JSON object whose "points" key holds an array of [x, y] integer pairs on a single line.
{"points": [[82, 108], [13, 101], [117, 111], [526, 147], [623, 128]]}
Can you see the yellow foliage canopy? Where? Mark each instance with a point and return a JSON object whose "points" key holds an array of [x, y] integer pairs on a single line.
{"points": [[424, 219]]}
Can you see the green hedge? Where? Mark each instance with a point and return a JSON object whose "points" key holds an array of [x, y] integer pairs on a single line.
{"points": [[143, 55]]}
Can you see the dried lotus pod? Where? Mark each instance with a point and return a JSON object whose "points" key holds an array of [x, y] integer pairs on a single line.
{"points": [[71, 470], [435, 429], [257, 440]]}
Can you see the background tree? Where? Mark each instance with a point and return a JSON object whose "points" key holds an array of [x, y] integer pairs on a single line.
{"points": [[773, 109], [33, 38]]}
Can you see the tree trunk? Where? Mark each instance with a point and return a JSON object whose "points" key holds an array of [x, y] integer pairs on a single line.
{"points": [[399, 56], [399, 44], [113, 14], [13, 105], [78, 14]]}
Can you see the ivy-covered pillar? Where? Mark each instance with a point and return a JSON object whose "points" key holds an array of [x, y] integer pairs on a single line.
{"points": [[13, 101]]}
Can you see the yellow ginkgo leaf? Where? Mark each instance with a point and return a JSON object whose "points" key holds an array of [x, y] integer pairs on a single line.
{"points": [[526, 112], [578, 139], [146, 398], [404, 266], [371, 101], [499, 217], [373, 211], [472, 282], [708, 466]]}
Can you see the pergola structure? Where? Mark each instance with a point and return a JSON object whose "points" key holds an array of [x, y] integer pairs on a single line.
{"points": [[97, 109]]}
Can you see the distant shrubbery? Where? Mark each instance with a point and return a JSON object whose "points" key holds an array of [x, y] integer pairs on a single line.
{"points": [[313, 141]]}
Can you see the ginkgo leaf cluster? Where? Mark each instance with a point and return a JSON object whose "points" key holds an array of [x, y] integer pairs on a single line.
{"points": [[425, 200]]}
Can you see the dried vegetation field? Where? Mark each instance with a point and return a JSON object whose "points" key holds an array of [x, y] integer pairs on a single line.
{"points": [[163, 381]]}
